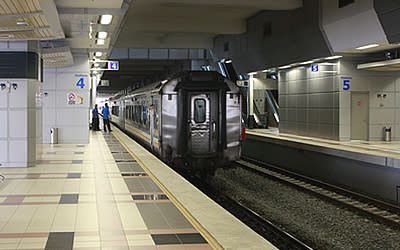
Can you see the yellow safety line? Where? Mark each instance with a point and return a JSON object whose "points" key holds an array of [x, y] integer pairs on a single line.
{"points": [[210, 239]]}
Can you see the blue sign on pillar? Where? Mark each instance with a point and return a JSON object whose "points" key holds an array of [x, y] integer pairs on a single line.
{"points": [[314, 67], [113, 65]]}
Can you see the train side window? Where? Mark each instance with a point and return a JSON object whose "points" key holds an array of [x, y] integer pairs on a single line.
{"points": [[199, 110]]}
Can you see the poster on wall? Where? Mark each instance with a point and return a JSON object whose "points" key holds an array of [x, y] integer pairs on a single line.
{"points": [[74, 99]]}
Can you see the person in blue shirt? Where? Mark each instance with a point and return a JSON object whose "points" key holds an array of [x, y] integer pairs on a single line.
{"points": [[106, 117], [95, 118]]}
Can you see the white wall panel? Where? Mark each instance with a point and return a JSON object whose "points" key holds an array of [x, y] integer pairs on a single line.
{"points": [[3, 124], [18, 151], [18, 124]]}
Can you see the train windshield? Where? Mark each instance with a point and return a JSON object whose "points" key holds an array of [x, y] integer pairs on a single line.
{"points": [[199, 110]]}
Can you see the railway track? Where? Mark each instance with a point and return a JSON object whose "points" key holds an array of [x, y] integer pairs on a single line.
{"points": [[375, 209], [267, 229]]}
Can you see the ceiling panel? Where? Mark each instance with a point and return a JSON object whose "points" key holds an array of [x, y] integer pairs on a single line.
{"points": [[89, 3]]}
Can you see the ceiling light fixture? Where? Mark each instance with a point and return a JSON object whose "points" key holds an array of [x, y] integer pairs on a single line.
{"points": [[373, 45], [333, 57], [98, 53], [106, 19], [285, 67], [22, 23], [96, 64], [100, 42], [306, 62], [102, 35], [252, 73]]}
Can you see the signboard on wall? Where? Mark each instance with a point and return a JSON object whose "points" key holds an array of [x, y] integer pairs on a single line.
{"points": [[74, 99], [81, 81]]}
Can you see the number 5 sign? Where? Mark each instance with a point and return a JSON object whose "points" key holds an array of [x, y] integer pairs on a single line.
{"points": [[346, 83]]}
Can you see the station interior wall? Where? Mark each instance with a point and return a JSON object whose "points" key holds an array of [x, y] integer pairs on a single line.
{"points": [[72, 120]]}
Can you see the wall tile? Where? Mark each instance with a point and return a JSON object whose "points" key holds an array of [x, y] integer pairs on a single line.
{"points": [[18, 98], [3, 124], [326, 116], [18, 151], [382, 116], [19, 124], [3, 151]]}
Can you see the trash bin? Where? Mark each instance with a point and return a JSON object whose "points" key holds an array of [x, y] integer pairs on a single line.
{"points": [[54, 135], [388, 133]]}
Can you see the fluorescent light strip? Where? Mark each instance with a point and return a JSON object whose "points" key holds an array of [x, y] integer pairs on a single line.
{"points": [[368, 46], [306, 62], [333, 57], [102, 35], [98, 53], [252, 73], [106, 19], [285, 67], [100, 41]]}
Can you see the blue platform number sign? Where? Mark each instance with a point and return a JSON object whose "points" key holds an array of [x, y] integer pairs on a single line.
{"points": [[81, 83], [113, 65], [314, 67], [346, 82]]}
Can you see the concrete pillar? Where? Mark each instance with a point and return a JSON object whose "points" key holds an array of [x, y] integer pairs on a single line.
{"points": [[20, 103]]}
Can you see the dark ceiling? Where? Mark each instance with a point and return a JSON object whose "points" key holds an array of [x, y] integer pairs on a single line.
{"points": [[134, 73]]}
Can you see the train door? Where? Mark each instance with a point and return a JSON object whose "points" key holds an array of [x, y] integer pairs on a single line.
{"points": [[203, 123]]}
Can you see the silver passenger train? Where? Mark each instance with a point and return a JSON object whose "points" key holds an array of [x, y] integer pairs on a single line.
{"points": [[192, 121]]}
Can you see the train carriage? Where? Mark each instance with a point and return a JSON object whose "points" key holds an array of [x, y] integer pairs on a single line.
{"points": [[192, 120]]}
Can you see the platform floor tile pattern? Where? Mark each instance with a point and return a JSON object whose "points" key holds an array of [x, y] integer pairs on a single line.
{"points": [[93, 196]]}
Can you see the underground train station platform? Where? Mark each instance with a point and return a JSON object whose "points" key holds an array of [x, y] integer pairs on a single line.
{"points": [[111, 194]]}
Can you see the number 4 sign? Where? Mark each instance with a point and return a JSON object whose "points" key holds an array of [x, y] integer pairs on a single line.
{"points": [[81, 83], [81, 80]]}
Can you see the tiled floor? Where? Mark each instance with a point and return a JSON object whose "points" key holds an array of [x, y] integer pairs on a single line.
{"points": [[93, 196]]}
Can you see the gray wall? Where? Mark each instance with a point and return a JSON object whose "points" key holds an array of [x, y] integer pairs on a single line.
{"points": [[309, 101], [352, 26], [388, 12], [275, 38]]}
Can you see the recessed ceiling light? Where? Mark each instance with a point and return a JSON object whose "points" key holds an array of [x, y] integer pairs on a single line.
{"points": [[228, 61], [102, 35], [22, 23], [98, 53], [100, 41], [373, 45], [333, 57], [106, 19]]}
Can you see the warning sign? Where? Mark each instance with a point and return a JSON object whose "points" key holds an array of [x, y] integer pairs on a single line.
{"points": [[73, 99]]}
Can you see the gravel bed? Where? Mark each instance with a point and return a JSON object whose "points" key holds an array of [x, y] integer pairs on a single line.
{"points": [[318, 223]]}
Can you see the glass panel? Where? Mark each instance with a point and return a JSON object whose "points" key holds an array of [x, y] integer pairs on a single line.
{"points": [[199, 110]]}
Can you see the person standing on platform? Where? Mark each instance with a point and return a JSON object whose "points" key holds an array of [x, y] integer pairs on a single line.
{"points": [[95, 118], [106, 118]]}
